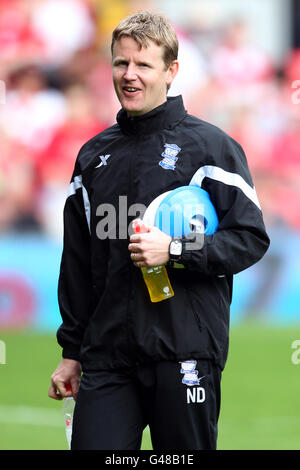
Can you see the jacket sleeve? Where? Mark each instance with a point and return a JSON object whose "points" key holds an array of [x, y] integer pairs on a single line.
{"points": [[241, 239], [75, 284]]}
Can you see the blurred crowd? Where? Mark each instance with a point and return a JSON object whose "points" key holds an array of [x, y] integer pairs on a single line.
{"points": [[57, 93]]}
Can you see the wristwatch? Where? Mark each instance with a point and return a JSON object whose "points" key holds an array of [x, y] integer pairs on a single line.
{"points": [[175, 249]]}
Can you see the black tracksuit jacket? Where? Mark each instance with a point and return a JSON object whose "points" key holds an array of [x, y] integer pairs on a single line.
{"points": [[108, 320]]}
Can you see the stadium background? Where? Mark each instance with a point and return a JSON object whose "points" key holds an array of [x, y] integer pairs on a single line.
{"points": [[240, 70]]}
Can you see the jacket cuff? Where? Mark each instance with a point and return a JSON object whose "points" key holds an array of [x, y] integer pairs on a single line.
{"points": [[186, 257], [69, 353], [194, 259]]}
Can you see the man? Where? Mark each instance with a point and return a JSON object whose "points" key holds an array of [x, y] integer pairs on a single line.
{"points": [[138, 363]]}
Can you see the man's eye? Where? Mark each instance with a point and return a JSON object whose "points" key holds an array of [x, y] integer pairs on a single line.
{"points": [[144, 65], [121, 63]]}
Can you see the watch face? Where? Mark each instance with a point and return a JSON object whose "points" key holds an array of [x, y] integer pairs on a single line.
{"points": [[176, 248]]}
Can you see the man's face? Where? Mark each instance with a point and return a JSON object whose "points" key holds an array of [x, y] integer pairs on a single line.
{"points": [[140, 76]]}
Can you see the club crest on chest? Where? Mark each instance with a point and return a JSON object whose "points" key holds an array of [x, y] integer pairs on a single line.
{"points": [[170, 156]]}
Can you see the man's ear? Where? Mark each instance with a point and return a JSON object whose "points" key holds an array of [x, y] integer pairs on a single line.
{"points": [[172, 72]]}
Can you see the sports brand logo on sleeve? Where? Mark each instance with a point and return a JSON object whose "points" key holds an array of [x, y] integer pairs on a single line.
{"points": [[103, 160], [170, 156]]}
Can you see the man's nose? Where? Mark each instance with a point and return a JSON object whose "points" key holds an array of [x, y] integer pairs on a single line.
{"points": [[130, 73]]}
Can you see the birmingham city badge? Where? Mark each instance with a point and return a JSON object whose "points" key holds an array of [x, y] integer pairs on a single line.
{"points": [[188, 368], [170, 156]]}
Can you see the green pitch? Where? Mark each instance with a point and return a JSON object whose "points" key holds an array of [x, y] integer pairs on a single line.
{"points": [[260, 392]]}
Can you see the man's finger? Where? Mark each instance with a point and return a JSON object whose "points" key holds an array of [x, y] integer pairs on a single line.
{"points": [[62, 389], [140, 264], [136, 257], [134, 247], [65, 388], [53, 393], [135, 238], [75, 387]]}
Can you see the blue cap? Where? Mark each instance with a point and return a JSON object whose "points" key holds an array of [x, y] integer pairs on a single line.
{"points": [[185, 210]]}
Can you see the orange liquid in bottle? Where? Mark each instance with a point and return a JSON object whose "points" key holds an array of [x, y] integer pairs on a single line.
{"points": [[156, 277]]}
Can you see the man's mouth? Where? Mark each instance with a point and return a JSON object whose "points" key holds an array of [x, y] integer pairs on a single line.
{"points": [[130, 90]]}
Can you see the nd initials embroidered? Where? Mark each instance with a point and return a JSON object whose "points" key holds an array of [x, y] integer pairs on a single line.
{"points": [[195, 395]]}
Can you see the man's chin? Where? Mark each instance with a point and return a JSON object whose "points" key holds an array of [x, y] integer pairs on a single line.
{"points": [[133, 111]]}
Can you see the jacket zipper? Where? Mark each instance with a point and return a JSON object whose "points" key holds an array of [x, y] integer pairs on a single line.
{"points": [[128, 316]]}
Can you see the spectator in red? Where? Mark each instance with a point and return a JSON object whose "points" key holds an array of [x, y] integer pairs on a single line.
{"points": [[18, 39], [286, 170], [56, 162], [237, 61], [17, 188], [32, 110], [82, 123]]}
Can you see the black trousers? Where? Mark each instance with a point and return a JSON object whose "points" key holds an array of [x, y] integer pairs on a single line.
{"points": [[179, 401]]}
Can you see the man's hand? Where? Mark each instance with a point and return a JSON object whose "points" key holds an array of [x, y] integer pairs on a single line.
{"points": [[151, 248], [65, 380]]}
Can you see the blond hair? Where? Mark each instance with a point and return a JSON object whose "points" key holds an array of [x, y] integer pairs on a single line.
{"points": [[146, 26]]}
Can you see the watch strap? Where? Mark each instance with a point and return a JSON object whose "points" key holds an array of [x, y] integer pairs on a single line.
{"points": [[175, 258]]}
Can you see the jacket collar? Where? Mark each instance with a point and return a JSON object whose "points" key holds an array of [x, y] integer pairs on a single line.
{"points": [[165, 116]]}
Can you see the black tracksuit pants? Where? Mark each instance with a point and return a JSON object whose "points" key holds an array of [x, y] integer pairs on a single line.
{"points": [[179, 401]]}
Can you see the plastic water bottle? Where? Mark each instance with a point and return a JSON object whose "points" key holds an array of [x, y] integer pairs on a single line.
{"points": [[156, 277], [68, 410]]}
